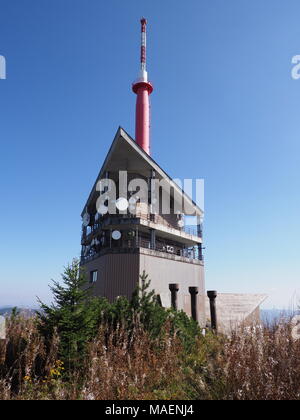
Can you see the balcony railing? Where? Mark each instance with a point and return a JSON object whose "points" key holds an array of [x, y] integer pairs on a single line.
{"points": [[132, 245], [121, 218], [192, 230]]}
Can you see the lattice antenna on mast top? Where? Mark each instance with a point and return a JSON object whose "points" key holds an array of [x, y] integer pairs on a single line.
{"points": [[143, 43]]}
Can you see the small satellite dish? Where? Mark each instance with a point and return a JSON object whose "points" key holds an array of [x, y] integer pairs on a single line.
{"points": [[122, 204], [180, 223], [102, 209], [132, 209], [116, 235], [132, 200], [86, 219]]}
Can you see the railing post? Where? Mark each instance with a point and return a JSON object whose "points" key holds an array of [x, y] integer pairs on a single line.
{"points": [[194, 306], [174, 287], [212, 294]]}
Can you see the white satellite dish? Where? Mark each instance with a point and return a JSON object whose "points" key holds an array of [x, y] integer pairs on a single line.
{"points": [[86, 219], [122, 204], [116, 235], [102, 209], [180, 223], [132, 200], [132, 209]]}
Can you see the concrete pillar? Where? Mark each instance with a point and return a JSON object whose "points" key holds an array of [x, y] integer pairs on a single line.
{"points": [[174, 287], [212, 294], [194, 304]]}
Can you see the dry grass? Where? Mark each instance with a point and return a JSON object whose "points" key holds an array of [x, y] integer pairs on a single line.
{"points": [[133, 367], [262, 364], [254, 364], [118, 365]]}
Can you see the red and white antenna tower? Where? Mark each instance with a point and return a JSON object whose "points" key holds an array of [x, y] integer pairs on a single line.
{"points": [[143, 88]]}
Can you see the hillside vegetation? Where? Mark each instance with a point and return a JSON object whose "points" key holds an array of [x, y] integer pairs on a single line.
{"points": [[86, 348]]}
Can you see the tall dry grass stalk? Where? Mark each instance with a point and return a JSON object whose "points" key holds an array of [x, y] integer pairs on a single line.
{"points": [[23, 354], [254, 364]]}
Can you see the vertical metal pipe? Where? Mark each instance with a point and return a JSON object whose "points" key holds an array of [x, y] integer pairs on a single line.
{"points": [[137, 237], [212, 294], [153, 238], [174, 287], [151, 192], [200, 254], [194, 306], [199, 234]]}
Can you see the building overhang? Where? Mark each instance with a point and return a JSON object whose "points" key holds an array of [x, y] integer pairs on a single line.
{"points": [[126, 155]]}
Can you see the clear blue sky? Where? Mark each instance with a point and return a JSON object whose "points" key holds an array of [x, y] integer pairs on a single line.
{"points": [[225, 109]]}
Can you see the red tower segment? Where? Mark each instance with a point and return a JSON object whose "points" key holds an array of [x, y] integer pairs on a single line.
{"points": [[143, 89]]}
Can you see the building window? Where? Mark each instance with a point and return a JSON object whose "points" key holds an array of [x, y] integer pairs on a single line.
{"points": [[93, 276]]}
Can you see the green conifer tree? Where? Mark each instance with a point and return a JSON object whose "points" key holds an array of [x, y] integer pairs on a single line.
{"points": [[146, 308], [73, 315]]}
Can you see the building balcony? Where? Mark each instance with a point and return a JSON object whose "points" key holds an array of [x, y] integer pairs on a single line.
{"points": [[187, 234], [140, 245]]}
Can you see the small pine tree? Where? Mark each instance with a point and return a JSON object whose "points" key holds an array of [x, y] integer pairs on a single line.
{"points": [[146, 308], [72, 315], [155, 318]]}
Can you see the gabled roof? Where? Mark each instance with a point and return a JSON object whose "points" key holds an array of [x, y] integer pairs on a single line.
{"points": [[126, 154]]}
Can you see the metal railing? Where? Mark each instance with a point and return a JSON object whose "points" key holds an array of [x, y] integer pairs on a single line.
{"points": [[131, 245], [192, 230], [120, 218]]}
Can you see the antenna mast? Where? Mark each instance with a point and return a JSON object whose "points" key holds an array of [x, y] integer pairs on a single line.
{"points": [[142, 88]]}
